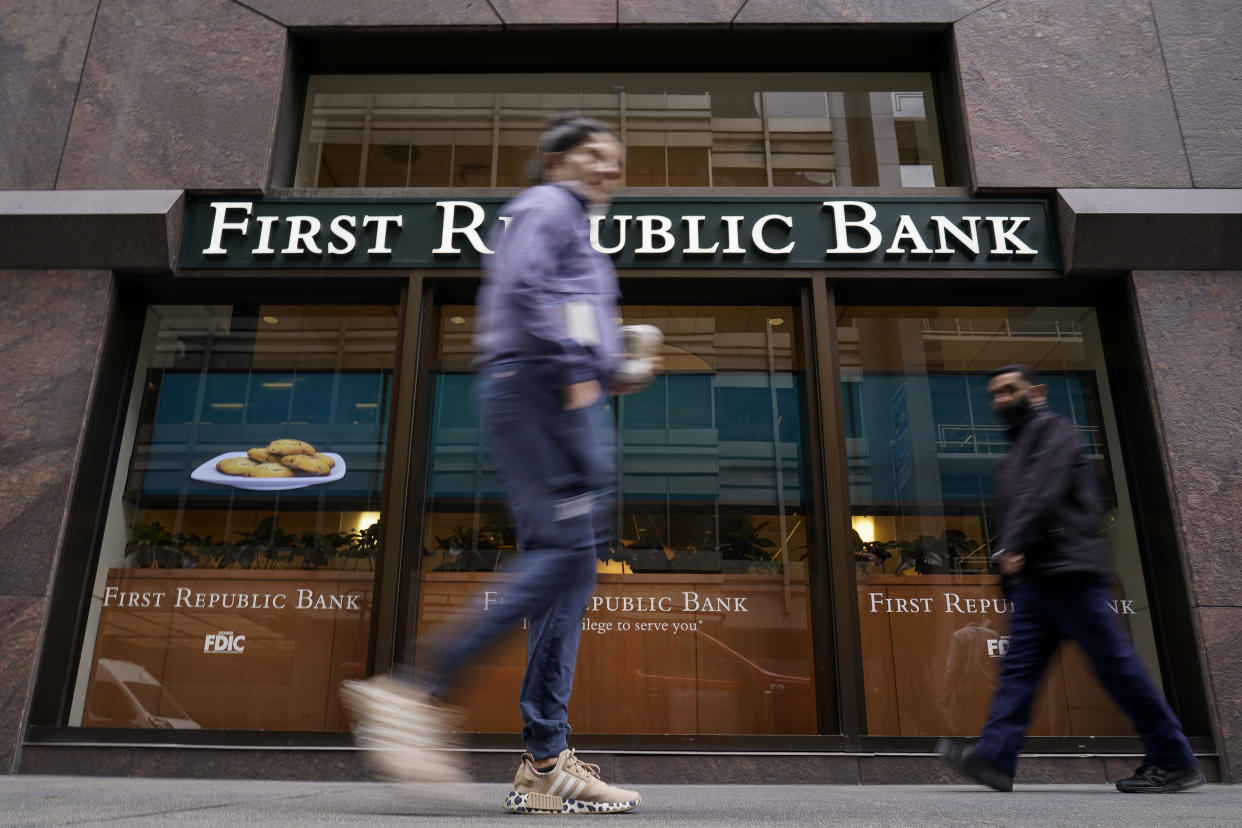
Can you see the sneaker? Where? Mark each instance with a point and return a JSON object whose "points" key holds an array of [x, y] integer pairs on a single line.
{"points": [[964, 759], [1151, 779], [406, 735], [570, 787]]}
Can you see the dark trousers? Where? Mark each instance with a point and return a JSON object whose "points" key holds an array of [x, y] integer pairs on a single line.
{"points": [[1075, 606], [555, 468]]}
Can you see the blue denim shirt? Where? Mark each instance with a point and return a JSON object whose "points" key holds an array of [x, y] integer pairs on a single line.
{"points": [[548, 296]]}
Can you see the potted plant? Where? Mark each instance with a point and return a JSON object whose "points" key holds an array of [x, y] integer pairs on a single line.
{"points": [[745, 544], [151, 545]]}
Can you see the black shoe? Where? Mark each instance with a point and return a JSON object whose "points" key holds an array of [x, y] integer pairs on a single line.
{"points": [[964, 759], [1151, 779]]}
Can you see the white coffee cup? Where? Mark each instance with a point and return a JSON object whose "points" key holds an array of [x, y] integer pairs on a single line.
{"points": [[641, 343]]}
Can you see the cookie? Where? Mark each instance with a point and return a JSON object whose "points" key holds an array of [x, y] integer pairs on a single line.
{"points": [[325, 458], [281, 448], [261, 455], [308, 464], [267, 470], [234, 465]]}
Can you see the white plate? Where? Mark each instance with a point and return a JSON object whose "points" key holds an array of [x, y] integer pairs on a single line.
{"points": [[207, 473]]}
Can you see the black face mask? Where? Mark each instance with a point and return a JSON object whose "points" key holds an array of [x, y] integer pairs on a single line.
{"points": [[1017, 411]]}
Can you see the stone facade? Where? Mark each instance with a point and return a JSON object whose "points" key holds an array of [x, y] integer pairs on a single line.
{"points": [[1090, 102]]}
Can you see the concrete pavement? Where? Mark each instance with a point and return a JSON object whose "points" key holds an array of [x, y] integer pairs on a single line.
{"points": [[64, 800]]}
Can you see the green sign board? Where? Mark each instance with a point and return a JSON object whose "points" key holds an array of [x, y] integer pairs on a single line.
{"points": [[876, 233]]}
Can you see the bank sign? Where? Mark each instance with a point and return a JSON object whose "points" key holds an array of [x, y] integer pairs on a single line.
{"points": [[847, 233]]}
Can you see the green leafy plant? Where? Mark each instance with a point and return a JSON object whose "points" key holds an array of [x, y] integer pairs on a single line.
{"points": [[146, 542], [747, 543]]}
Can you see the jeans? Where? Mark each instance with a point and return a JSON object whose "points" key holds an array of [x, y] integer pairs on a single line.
{"points": [[1073, 605], [556, 470]]}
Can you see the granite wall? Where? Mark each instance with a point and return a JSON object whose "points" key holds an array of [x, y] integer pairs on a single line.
{"points": [[118, 94], [1192, 335], [51, 328], [187, 94]]}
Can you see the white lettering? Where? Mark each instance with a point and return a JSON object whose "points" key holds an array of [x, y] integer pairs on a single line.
{"points": [[305, 599], [337, 228], [841, 226], [907, 232], [946, 228], [109, 594], [733, 231], [219, 225], [597, 223], [449, 228], [694, 224], [1001, 234], [183, 597], [650, 227], [302, 231], [756, 235], [265, 235], [382, 223]]}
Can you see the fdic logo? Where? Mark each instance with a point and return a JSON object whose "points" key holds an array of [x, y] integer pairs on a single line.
{"points": [[997, 647], [224, 642]]}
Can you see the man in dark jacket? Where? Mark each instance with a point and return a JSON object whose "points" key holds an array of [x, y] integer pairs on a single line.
{"points": [[1058, 577]]}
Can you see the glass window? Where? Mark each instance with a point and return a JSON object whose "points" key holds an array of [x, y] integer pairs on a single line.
{"points": [[922, 443], [234, 582], [681, 130], [701, 624]]}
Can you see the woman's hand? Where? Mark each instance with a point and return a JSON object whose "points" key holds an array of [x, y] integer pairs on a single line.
{"points": [[580, 395], [656, 364]]}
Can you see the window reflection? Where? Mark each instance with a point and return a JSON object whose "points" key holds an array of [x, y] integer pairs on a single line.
{"points": [[707, 595], [218, 590], [922, 442], [689, 130]]}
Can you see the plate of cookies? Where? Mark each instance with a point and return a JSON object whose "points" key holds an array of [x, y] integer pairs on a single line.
{"points": [[281, 464]]}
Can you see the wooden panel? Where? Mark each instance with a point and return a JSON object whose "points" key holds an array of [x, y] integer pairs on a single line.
{"points": [[932, 647], [303, 633], [659, 654]]}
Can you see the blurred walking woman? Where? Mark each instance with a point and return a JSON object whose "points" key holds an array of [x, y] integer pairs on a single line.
{"points": [[548, 348]]}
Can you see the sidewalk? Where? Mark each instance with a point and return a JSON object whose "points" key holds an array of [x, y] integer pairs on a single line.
{"points": [[73, 800]]}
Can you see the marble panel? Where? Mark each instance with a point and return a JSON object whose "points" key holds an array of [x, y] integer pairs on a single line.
{"points": [[180, 95], [556, 12], [51, 325], [1221, 631], [42, 50], [855, 11], [132, 230], [378, 13], [695, 13], [1193, 343], [20, 622], [1142, 229], [1061, 93], [1199, 41]]}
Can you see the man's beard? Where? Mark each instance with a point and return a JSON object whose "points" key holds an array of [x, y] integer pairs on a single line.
{"points": [[1017, 412]]}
